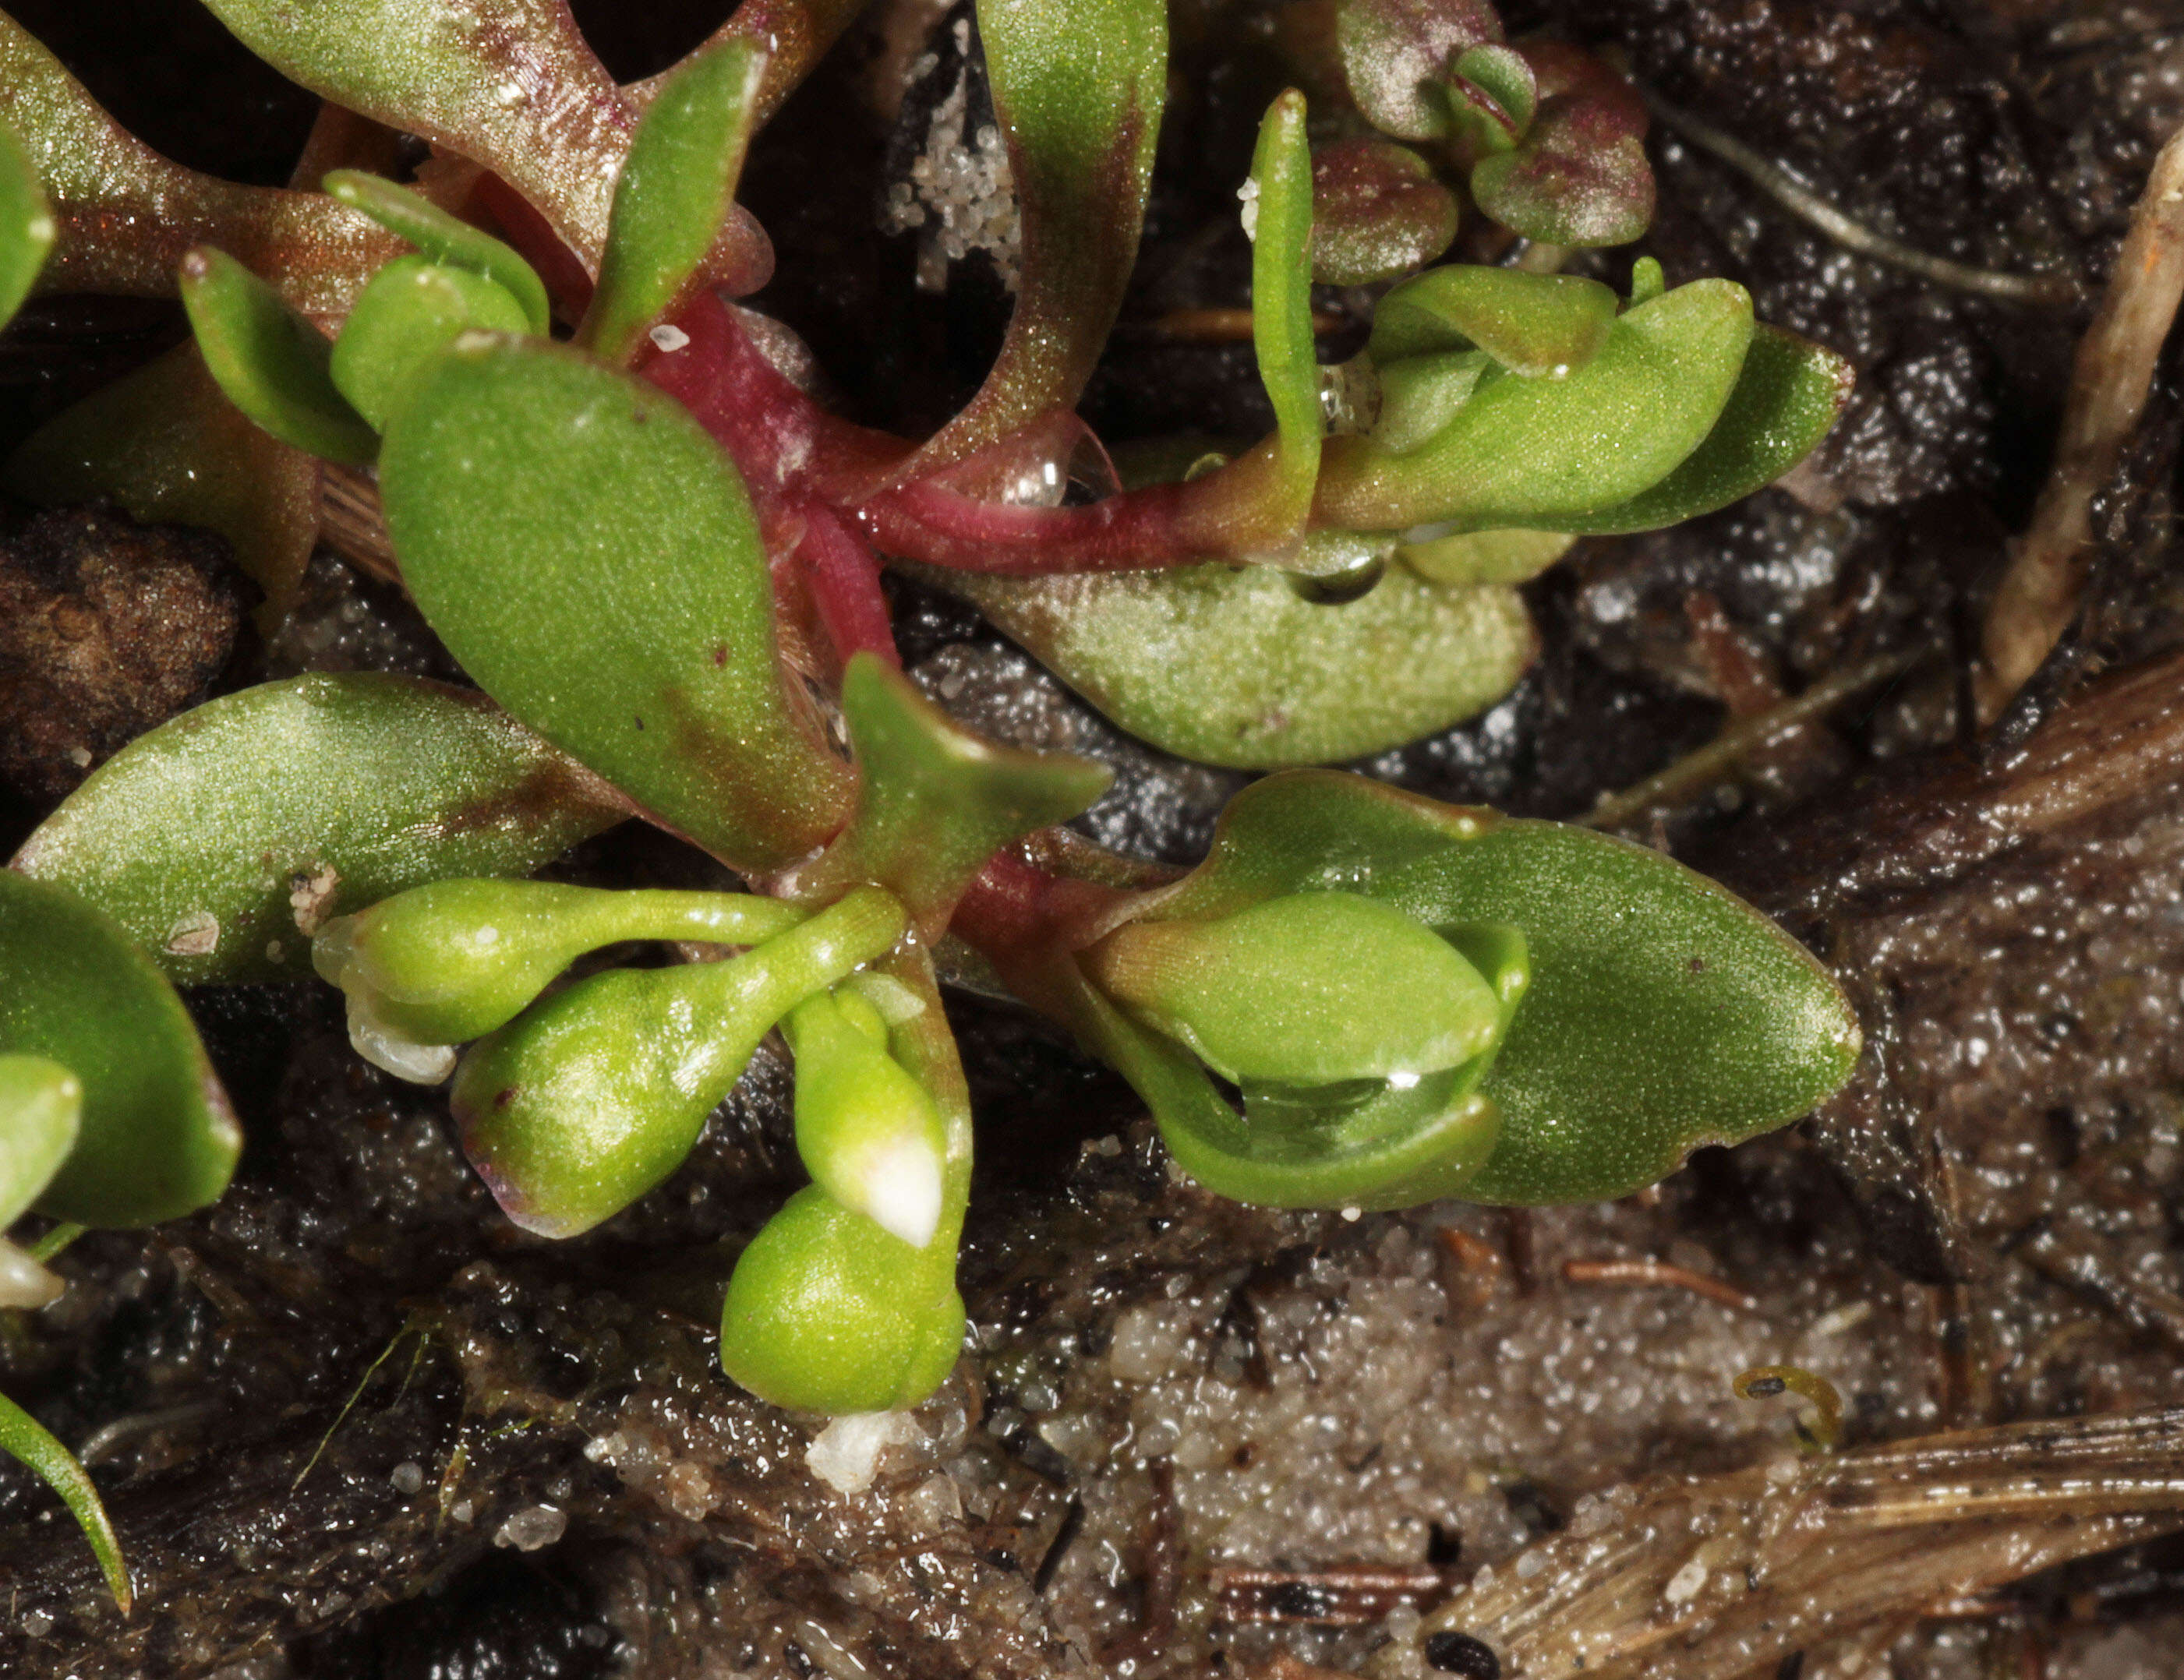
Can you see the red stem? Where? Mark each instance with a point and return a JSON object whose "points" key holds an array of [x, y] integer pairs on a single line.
{"points": [[844, 577]]}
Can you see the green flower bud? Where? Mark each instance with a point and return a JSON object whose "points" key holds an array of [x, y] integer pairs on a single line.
{"points": [[1307, 989], [867, 1132], [827, 1312], [586, 1101], [443, 963]]}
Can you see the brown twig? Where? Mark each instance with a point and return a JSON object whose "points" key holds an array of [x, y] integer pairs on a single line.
{"points": [[1657, 1274], [1746, 736], [2109, 385], [1339, 1595], [2050, 290], [1220, 326]]}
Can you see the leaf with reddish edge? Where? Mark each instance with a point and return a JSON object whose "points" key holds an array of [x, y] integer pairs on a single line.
{"points": [[1394, 53], [515, 89], [1253, 507], [1493, 96], [126, 214], [1788, 394], [1377, 213], [794, 34], [1542, 326], [674, 193], [1579, 177], [1235, 666], [591, 559], [1077, 92], [271, 360], [166, 443], [194, 837], [156, 1138], [933, 800], [1540, 451]]}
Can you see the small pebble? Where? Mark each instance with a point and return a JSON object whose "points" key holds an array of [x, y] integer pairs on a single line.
{"points": [[406, 1479], [1461, 1654]]}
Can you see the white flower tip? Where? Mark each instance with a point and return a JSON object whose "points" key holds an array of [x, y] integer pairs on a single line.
{"points": [[379, 1044], [902, 1183]]}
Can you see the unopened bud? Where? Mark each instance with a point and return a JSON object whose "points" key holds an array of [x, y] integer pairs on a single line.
{"points": [[1307, 989], [869, 1135]]}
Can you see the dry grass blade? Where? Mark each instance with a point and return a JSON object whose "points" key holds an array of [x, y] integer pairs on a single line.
{"points": [[1712, 1577], [2108, 386]]}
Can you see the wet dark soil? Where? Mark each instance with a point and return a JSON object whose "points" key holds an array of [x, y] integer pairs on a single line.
{"points": [[352, 1424]]}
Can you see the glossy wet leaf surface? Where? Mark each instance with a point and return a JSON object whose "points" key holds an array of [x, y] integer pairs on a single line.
{"points": [[1234, 666], [156, 1138], [590, 556], [197, 836]]}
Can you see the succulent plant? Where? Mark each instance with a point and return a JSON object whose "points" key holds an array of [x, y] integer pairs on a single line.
{"points": [[1360, 998]]}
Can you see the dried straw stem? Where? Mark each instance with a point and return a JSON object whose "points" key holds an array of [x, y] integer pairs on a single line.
{"points": [[2109, 386], [1712, 1577]]}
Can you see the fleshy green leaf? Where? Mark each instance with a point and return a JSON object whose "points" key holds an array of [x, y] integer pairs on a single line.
{"points": [[452, 960], [674, 193], [1419, 396], [157, 1139], [41, 1108], [1540, 452], [1506, 77], [827, 1312], [271, 360], [1365, 1151], [166, 443], [216, 837], [1664, 1012], [1377, 213], [412, 311], [794, 35], [1078, 93], [1281, 318], [27, 225], [523, 94], [1579, 176], [32, 1445], [590, 556], [442, 238], [126, 214], [595, 1095], [1394, 53], [1307, 989], [1542, 326], [934, 802], [1788, 394], [1235, 665]]}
